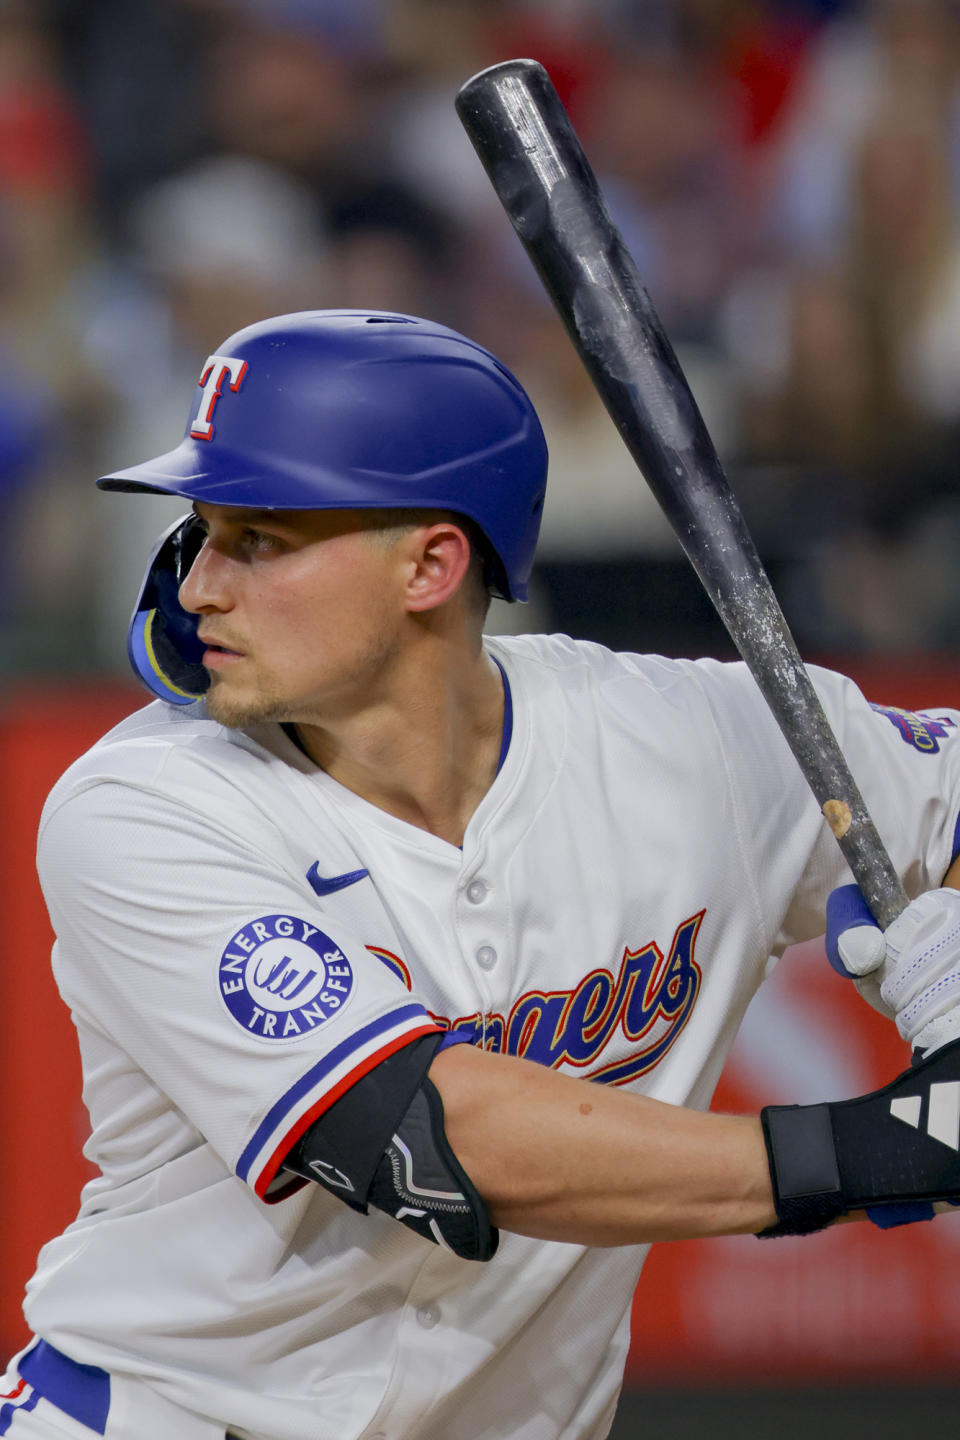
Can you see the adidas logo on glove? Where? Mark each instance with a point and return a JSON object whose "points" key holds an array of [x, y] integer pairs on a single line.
{"points": [[943, 1112]]}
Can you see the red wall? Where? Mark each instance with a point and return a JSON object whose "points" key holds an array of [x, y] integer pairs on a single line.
{"points": [[847, 1304], [42, 1120]]}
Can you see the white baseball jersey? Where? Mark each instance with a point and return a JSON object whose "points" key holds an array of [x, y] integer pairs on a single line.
{"points": [[240, 938]]}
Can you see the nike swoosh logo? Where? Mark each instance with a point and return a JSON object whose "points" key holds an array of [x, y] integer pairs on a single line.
{"points": [[328, 884]]}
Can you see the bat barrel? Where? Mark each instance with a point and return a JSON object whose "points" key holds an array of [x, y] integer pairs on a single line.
{"points": [[537, 166]]}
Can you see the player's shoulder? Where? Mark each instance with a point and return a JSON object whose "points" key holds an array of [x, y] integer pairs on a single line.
{"points": [[572, 660], [586, 665], [178, 752], [671, 703]]}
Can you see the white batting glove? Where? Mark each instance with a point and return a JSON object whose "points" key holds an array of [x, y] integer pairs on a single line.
{"points": [[912, 968], [921, 969]]}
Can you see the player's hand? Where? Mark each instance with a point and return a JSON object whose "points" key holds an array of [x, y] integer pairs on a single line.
{"points": [[910, 971]]}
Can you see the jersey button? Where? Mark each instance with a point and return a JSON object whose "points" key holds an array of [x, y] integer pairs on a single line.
{"points": [[427, 1316], [486, 957], [476, 891]]}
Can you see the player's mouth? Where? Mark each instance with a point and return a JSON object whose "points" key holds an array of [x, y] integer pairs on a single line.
{"points": [[215, 654]]}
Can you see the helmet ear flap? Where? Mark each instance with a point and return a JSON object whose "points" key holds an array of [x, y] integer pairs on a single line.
{"points": [[162, 642]]}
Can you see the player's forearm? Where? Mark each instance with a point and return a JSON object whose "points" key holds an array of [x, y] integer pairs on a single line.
{"points": [[561, 1159]]}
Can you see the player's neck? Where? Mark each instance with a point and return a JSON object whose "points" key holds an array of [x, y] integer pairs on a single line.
{"points": [[428, 753]]}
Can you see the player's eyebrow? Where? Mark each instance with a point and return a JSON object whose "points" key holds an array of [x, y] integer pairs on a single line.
{"points": [[242, 513]]}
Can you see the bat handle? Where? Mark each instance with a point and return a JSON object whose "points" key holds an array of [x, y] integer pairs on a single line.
{"points": [[867, 857]]}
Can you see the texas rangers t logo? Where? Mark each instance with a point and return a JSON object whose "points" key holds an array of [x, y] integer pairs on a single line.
{"points": [[212, 376]]}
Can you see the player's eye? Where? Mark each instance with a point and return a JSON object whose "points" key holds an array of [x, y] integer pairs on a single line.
{"points": [[259, 542]]}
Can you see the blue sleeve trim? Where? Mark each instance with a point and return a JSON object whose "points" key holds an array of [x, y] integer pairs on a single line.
{"points": [[308, 1081], [456, 1037]]}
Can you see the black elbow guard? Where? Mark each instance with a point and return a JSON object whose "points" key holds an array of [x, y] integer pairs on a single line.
{"points": [[420, 1181], [894, 1147], [384, 1144]]}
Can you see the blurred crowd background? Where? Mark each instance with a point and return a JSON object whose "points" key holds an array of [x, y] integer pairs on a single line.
{"points": [[786, 174]]}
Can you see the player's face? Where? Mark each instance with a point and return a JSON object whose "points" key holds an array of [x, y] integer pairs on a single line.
{"points": [[301, 612]]}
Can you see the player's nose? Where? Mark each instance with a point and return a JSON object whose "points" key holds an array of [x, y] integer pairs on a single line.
{"points": [[206, 586]]}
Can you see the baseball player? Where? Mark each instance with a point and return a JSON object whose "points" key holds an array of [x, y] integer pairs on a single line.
{"points": [[404, 961]]}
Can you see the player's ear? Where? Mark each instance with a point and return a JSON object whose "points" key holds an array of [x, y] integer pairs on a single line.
{"points": [[439, 560]]}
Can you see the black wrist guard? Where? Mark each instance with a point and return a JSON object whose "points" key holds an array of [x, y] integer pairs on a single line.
{"points": [[895, 1145]]}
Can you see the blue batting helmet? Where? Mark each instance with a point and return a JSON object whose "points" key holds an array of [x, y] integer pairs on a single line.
{"points": [[341, 410]]}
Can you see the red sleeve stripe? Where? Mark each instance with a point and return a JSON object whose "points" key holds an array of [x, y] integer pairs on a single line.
{"points": [[262, 1175]]}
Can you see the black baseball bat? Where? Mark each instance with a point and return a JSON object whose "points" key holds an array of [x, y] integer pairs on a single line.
{"points": [[536, 163]]}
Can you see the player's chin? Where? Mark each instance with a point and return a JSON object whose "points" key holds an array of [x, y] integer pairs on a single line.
{"points": [[239, 706]]}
